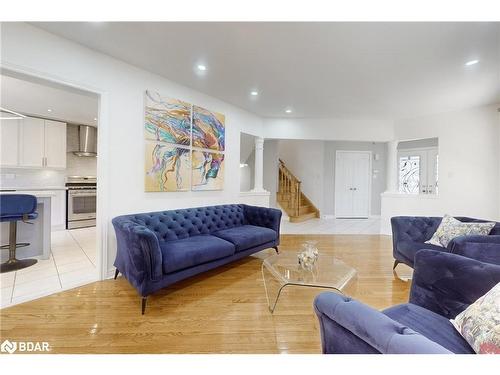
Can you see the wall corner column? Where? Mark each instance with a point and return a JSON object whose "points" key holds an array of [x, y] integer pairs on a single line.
{"points": [[259, 166], [392, 167]]}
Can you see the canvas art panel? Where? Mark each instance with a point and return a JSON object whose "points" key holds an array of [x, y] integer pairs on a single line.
{"points": [[166, 119], [167, 167], [207, 170], [208, 130]]}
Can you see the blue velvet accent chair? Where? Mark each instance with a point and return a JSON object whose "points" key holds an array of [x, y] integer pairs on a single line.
{"points": [[158, 249], [443, 286], [14, 208], [409, 234]]}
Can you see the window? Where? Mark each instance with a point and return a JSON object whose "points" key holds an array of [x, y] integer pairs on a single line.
{"points": [[409, 174], [418, 171]]}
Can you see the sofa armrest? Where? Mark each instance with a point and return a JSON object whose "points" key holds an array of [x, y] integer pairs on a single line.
{"points": [[263, 217], [348, 326], [482, 248], [138, 247], [448, 283]]}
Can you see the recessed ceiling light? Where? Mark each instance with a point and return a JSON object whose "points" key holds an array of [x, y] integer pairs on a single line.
{"points": [[95, 118], [201, 67], [472, 62], [254, 93], [288, 110], [49, 110]]}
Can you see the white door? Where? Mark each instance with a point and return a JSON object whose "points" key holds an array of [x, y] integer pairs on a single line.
{"points": [[32, 137], [352, 184], [9, 146], [418, 171], [55, 144]]}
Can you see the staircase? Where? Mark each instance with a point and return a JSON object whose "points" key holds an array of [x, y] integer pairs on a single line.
{"points": [[290, 197]]}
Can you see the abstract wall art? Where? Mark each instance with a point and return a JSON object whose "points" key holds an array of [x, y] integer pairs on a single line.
{"points": [[209, 129], [167, 120], [207, 170], [167, 167], [184, 145]]}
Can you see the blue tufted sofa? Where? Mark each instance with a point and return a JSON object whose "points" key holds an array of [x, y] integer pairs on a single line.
{"points": [[409, 234], [443, 286], [157, 249]]}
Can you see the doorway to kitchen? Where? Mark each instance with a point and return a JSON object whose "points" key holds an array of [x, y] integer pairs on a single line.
{"points": [[52, 155]]}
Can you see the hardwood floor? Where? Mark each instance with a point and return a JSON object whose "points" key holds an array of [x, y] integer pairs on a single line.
{"points": [[222, 311]]}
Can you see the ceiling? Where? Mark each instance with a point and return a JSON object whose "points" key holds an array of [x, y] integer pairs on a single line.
{"points": [[35, 97], [318, 70]]}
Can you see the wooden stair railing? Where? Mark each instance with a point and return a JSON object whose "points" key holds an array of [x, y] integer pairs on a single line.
{"points": [[291, 198]]}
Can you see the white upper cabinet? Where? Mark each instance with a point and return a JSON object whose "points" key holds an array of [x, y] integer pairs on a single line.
{"points": [[55, 144], [33, 143], [32, 134], [9, 140]]}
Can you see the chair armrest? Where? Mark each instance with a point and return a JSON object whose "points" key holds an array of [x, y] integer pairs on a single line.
{"points": [[348, 326], [448, 283], [263, 217], [483, 248], [413, 228], [138, 247]]}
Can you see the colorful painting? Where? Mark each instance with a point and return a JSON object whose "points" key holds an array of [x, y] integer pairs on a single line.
{"points": [[167, 120], [208, 129], [167, 167], [207, 170]]}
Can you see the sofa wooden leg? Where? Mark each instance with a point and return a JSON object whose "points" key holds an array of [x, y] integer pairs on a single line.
{"points": [[116, 273], [276, 249], [144, 299], [396, 262]]}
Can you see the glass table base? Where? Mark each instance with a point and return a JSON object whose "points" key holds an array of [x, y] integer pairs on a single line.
{"points": [[280, 271]]}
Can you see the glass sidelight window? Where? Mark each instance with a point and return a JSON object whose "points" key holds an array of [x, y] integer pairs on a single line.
{"points": [[418, 170]]}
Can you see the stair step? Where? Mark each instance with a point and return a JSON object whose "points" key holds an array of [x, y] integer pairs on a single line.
{"points": [[304, 217], [306, 209]]}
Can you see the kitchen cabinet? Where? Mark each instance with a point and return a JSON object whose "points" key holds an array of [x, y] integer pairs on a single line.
{"points": [[55, 144], [9, 140], [31, 147], [33, 143]]}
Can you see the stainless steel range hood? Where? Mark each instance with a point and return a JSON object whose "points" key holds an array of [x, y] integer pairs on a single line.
{"points": [[87, 140]]}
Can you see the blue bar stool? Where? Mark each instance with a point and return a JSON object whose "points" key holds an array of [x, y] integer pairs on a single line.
{"points": [[15, 207]]}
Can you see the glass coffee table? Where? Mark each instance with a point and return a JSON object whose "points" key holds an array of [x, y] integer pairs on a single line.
{"points": [[282, 270]]}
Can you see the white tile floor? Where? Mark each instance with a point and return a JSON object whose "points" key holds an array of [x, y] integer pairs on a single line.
{"points": [[72, 263], [332, 226]]}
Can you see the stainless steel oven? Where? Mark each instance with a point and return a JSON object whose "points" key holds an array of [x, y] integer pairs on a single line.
{"points": [[81, 202]]}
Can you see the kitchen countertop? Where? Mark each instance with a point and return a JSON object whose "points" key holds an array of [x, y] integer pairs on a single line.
{"points": [[32, 188], [36, 193]]}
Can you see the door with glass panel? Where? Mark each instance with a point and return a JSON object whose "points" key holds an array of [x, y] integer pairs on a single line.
{"points": [[418, 171]]}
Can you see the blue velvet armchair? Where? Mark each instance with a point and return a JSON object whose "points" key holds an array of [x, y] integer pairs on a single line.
{"points": [[443, 285], [409, 234]]}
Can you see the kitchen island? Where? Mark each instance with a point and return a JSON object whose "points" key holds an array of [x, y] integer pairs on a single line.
{"points": [[37, 234]]}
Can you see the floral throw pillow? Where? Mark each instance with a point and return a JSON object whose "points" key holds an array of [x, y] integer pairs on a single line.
{"points": [[451, 228], [479, 324]]}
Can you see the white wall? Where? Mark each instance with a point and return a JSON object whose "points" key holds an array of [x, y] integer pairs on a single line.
{"points": [[305, 159], [369, 130], [31, 50], [469, 183]]}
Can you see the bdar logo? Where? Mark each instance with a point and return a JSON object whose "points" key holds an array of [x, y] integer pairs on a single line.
{"points": [[8, 346]]}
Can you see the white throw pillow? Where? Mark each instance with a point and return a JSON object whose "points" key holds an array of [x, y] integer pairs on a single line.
{"points": [[451, 228], [479, 324]]}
